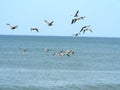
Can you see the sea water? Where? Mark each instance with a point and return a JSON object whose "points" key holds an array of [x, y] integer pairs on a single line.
{"points": [[95, 64]]}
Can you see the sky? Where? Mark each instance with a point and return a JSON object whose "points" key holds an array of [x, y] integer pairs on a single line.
{"points": [[102, 15]]}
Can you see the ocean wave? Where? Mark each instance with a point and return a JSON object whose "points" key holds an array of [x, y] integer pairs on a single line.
{"points": [[65, 87]]}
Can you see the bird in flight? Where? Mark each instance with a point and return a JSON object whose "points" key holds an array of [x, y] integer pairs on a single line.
{"points": [[36, 29], [84, 27], [76, 34], [76, 17], [12, 27], [87, 30], [49, 23]]}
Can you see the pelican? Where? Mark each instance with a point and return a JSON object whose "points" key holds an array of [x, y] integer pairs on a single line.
{"points": [[87, 29], [76, 34], [49, 23], [36, 29], [76, 14], [84, 27], [75, 19], [46, 49], [24, 49], [69, 52], [64, 52], [12, 27]]}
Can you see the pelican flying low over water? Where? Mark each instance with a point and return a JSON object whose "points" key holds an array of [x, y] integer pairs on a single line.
{"points": [[76, 34], [49, 23], [85, 28], [35, 29], [12, 27]]}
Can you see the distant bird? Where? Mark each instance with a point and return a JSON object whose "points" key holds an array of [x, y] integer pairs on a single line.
{"points": [[36, 29], [64, 52], [76, 34], [24, 49], [46, 49], [49, 23], [76, 14], [87, 30], [84, 27], [12, 27], [75, 19], [69, 52]]}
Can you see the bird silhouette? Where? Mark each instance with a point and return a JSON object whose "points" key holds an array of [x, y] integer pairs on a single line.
{"points": [[87, 30], [84, 27], [49, 23], [12, 27], [76, 34], [36, 29], [24, 49]]}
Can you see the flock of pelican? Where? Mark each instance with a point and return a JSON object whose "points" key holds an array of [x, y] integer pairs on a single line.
{"points": [[54, 52], [84, 28], [33, 28], [74, 20], [61, 52]]}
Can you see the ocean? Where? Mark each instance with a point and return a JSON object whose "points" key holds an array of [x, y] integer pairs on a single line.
{"points": [[31, 63]]}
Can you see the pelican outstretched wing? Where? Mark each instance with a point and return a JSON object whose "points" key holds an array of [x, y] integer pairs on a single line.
{"points": [[46, 21], [76, 14]]}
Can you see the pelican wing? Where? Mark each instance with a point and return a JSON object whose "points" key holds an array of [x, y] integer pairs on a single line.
{"points": [[73, 20], [46, 21], [76, 14], [52, 22], [82, 29], [90, 30]]}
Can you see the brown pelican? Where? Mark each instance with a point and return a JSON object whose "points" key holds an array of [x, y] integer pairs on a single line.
{"points": [[12, 27], [24, 49], [46, 49], [49, 23], [76, 34], [84, 27], [75, 19], [36, 29], [87, 29], [69, 52], [76, 14], [64, 52]]}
